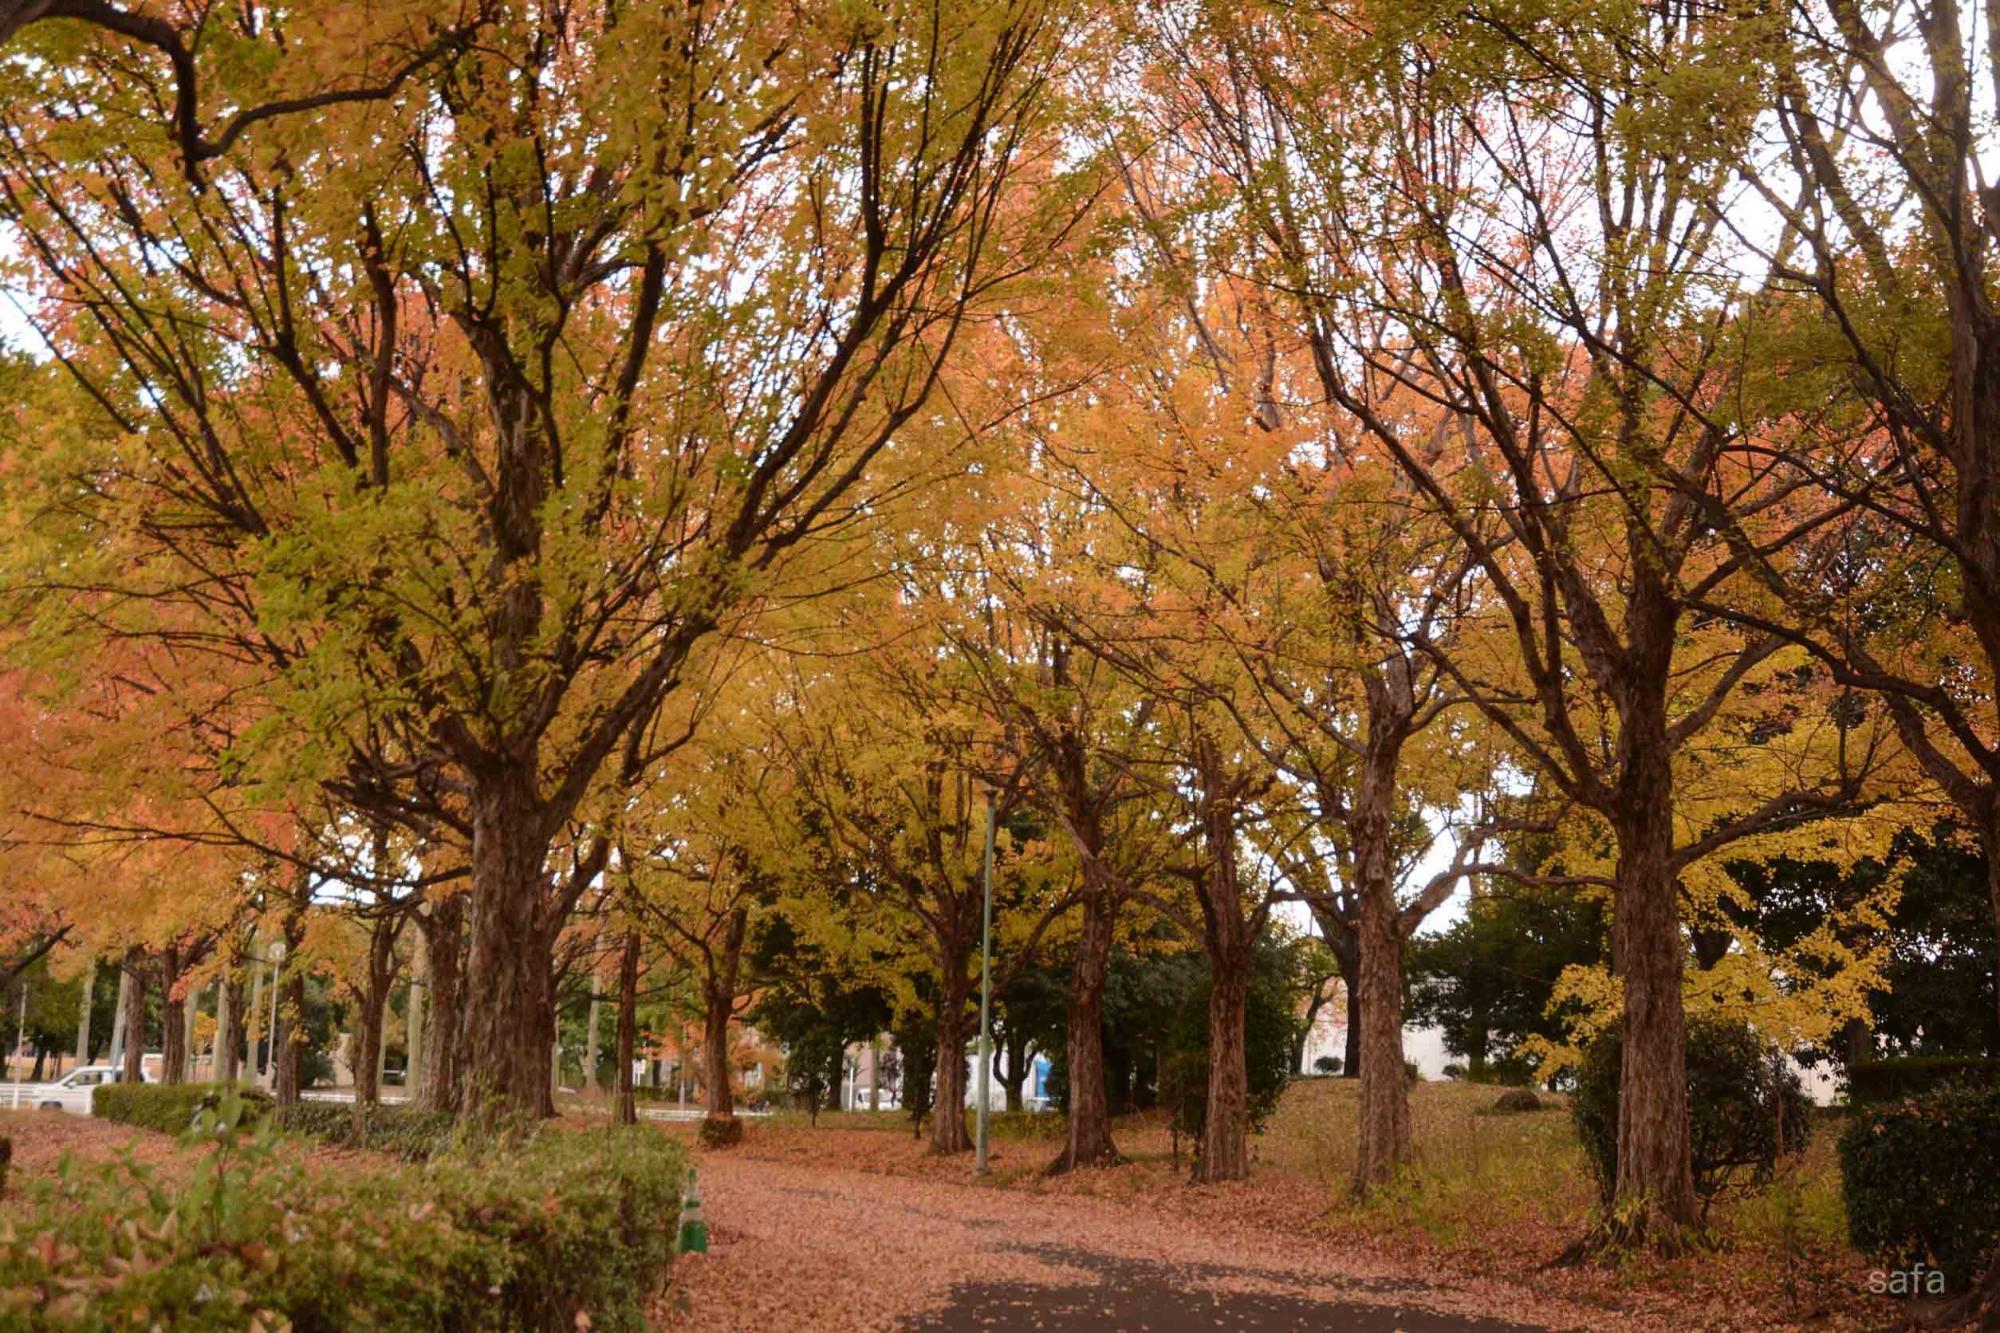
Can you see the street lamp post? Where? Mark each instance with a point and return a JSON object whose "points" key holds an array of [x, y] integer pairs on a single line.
{"points": [[986, 987]]}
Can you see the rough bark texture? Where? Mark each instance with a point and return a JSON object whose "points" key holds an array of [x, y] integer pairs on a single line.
{"points": [[954, 1025], [1088, 1141], [1655, 1176], [228, 1009], [506, 1019], [1383, 1146], [628, 1028], [1227, 937], [374, 1003], [590, 1051], [288, 1052], [1015, 1045], [135, 1016], [720, 1127], [174, 1051], [443, 927]]}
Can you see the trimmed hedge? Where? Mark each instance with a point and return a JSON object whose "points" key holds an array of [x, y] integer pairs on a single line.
{"points": [[1871, 1081], [409, 1133], [1921, 1181], [561, 1229], [169, 1107]]}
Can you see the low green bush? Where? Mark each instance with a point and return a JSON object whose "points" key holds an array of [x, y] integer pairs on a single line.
{"points": [[1919, 1177], [405, 1131], [168, 1107], [1746, 1108], [1870, 1081], [555, 1230]]}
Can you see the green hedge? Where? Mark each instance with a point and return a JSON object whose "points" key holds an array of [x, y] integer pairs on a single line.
{"points": [[1921, 1180], [556, 1230], [1870, 1081], [410, 1134], [168, 1107]]}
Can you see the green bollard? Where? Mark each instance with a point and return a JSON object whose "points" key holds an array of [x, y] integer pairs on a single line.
{"points": [[694, 1231]]}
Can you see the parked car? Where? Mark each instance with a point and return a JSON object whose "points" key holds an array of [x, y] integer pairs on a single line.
{"points": [[72, 1092]]}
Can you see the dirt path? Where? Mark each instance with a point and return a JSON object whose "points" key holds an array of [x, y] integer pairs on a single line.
{"points": [[830, 1247]]}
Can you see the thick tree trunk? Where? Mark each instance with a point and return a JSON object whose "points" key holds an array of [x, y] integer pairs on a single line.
{"points": [[382, 934], [241, 1019], [135, 1016], [1015, 1045], [1225, 1147], [289, 1011], [506, 1026], [173, 1020], [948, 1131], [1383, 1140], [628, 1028], [1089, 1132], [1655, 1184], [720, 1127], [443, 928]]}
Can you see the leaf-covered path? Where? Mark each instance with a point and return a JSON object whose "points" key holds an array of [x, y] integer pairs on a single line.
{"points": [[831, 1247]]}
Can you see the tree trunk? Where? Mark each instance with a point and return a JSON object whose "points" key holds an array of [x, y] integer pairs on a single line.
{"points": [[240, 1018], [222, 1061], [173, 1020], [443, 928], [720, 1127], [1225, 1150], [1016, 1077], [413, 1016], [289, 1012], [374, 1004], [1383, 1128], [1088, 1142], [506, 1021], [135, 1016], [590, 1053], [83, 1015], [253, 1018], [1225, 1147], [1655, 1184], [121, 1011], [628, 1028], [948, 1132], [1350, 1065]]}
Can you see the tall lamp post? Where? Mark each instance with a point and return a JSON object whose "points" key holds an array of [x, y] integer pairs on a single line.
{"points": [[986, 987]]}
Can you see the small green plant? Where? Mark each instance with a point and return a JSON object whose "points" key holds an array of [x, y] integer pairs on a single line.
{"points": [[172, 1107]]}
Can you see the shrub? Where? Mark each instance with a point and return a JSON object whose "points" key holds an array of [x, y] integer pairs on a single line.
{"points": [[1411, 1074], [1918, 1176], [1327, 1064], [1454, 1072], [1744, 1103], [555, 1230], [1870, 1081], [409, 1133], [169, 1107], [1516, 1100]]}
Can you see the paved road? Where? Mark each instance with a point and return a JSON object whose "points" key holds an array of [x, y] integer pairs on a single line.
{"points": [[1134, 1294]]}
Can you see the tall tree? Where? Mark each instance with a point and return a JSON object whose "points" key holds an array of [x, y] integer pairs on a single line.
{"points": [[458, 415]]}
